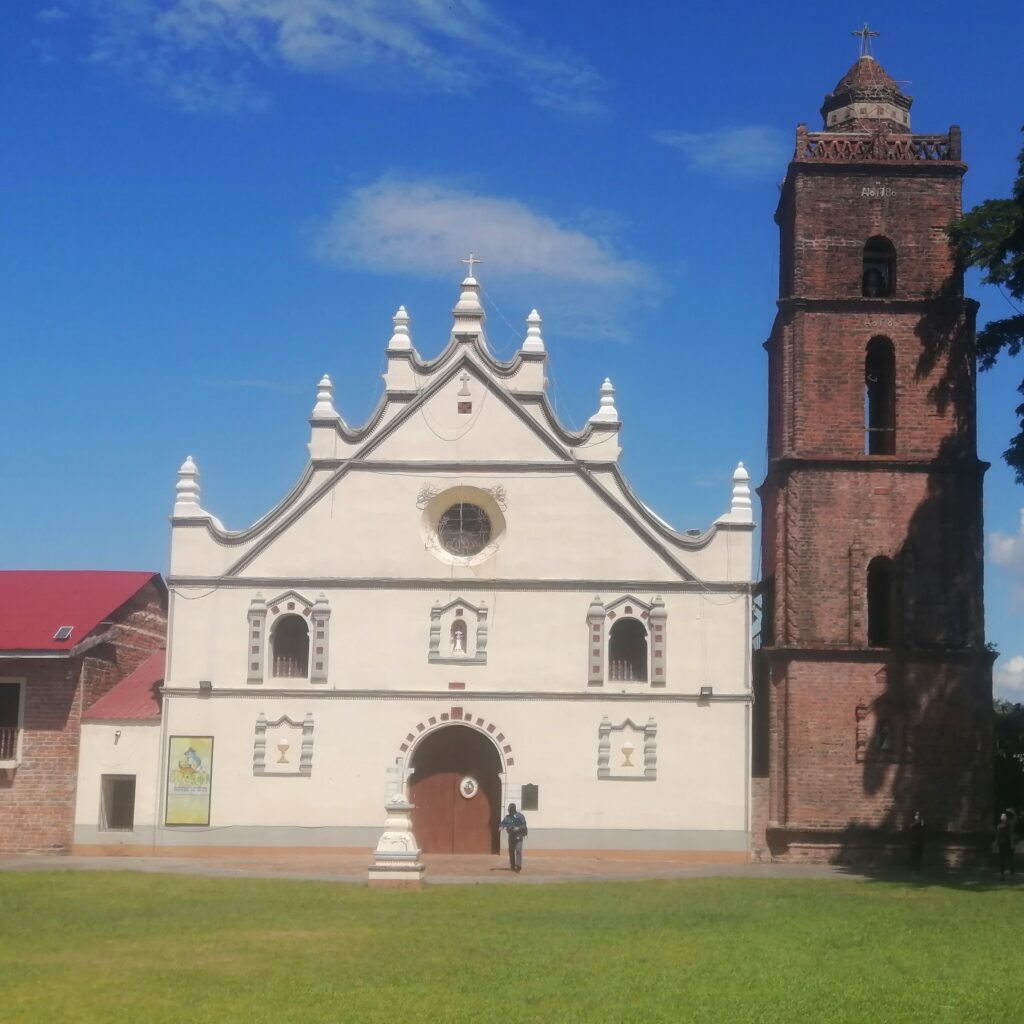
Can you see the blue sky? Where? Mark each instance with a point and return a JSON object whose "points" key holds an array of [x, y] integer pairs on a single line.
{"points": [[206, 204]]}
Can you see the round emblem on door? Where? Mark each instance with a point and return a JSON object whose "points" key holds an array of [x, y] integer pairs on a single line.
{"points": [[469, 787]]}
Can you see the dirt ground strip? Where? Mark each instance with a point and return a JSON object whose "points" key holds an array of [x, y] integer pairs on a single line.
{"points": [[352, 866]]}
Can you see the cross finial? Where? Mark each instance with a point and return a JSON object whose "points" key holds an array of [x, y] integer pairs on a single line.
{"points": [[866, 35], [471, 260]]}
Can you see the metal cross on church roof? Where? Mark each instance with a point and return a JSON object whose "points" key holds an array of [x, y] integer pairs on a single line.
{"points": [[471, 260], [866, 34]]}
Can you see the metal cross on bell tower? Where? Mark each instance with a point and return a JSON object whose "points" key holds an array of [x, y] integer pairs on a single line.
{"points": [[470, 261], [866, 35]]}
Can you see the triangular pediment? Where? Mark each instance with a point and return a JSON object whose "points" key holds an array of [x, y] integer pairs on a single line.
{"points": [[464, 415]]}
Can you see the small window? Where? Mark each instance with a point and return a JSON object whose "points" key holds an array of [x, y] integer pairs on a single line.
{"points": [[63, 633], [878, 278], [290, 643], [880, 398], [530, 798], [118, 811], [627, 651], [881, 602], [10, 720]]}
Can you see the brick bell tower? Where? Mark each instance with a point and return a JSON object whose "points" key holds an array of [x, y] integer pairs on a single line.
{"points": [[873, 682]]}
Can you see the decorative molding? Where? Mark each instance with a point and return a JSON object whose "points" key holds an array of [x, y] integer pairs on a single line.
{"points": [[442, 650], [304, 729], [596, 615], [456, 716], [738, 588], [566, 696], [257, 640], [319, 640], [638, 741]]}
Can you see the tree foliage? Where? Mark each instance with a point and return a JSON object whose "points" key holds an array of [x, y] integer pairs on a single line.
{"points": [[1008, 755], [991, 237]]}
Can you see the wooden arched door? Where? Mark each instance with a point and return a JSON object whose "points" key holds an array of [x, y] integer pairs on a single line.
{"points": [[456, 790]]}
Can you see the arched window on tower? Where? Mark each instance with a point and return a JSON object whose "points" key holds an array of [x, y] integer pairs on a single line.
{"points": [[881, 602], [627, 651], [290, 643], [878, 276], [880, 398]]}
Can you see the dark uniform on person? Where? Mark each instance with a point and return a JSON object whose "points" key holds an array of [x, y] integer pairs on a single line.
{"points": [[515, 824]]}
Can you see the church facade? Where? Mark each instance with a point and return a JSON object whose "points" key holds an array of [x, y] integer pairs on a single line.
{"points": [[464, 602]]}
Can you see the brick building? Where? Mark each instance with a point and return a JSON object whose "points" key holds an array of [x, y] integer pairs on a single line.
{"points": [[873, 681], [66, 639]]}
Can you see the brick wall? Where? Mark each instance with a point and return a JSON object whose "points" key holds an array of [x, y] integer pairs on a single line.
{"points": [[37, 799], [856, 737]]}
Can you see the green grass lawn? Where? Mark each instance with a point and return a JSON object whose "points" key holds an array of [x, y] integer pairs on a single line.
{"points": [[103, 947]]}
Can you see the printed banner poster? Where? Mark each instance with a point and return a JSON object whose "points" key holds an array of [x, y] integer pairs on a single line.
{"points": [[189, 774]]}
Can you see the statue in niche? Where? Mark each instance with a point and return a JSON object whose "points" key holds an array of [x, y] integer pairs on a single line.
{"points": [[459, 637]]}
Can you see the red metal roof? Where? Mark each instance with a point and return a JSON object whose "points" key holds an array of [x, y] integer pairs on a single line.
{"points": [[135, 697], [34, 604]]}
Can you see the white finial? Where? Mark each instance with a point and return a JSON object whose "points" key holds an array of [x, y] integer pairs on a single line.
{"points": [[324, 408], [401, 339], [468, 312], [741, 505], [534, 342], [469, 261], [186, 497], [606, 413]]}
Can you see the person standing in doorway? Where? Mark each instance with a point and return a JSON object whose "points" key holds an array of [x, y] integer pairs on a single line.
{"points": [[514, 823]]}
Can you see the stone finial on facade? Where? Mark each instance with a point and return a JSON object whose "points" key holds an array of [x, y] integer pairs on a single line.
{"points": [[401, 339], [186, 497], [324, 408], [741, 508], [534, 342], [606, 413], [468, 312]]}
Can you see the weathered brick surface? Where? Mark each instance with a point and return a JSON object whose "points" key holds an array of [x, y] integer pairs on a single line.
{"points": [[854, 739], [37, 799]]}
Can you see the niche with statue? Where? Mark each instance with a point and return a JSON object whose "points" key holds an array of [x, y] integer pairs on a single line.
{"points": [[458, 633]]}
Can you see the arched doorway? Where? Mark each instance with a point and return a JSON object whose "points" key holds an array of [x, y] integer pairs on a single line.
{"points": [[456, 790]]}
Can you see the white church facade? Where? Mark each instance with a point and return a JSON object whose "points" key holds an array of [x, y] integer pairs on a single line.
{"points": [[460, 601]]}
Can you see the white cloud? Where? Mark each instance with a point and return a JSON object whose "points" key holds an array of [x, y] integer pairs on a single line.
{"points": [[1007, 550], [425, 228], [182, 46], [1009, 678], [747, 152], [51, 14]]}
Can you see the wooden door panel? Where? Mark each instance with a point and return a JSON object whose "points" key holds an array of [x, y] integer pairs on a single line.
{"points": [[444, 821]]}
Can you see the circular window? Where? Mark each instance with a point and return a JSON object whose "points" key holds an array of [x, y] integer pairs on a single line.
{"points": [[464, 529]]}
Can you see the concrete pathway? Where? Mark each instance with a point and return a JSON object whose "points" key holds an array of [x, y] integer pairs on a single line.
{"points": [[351, 866]]}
